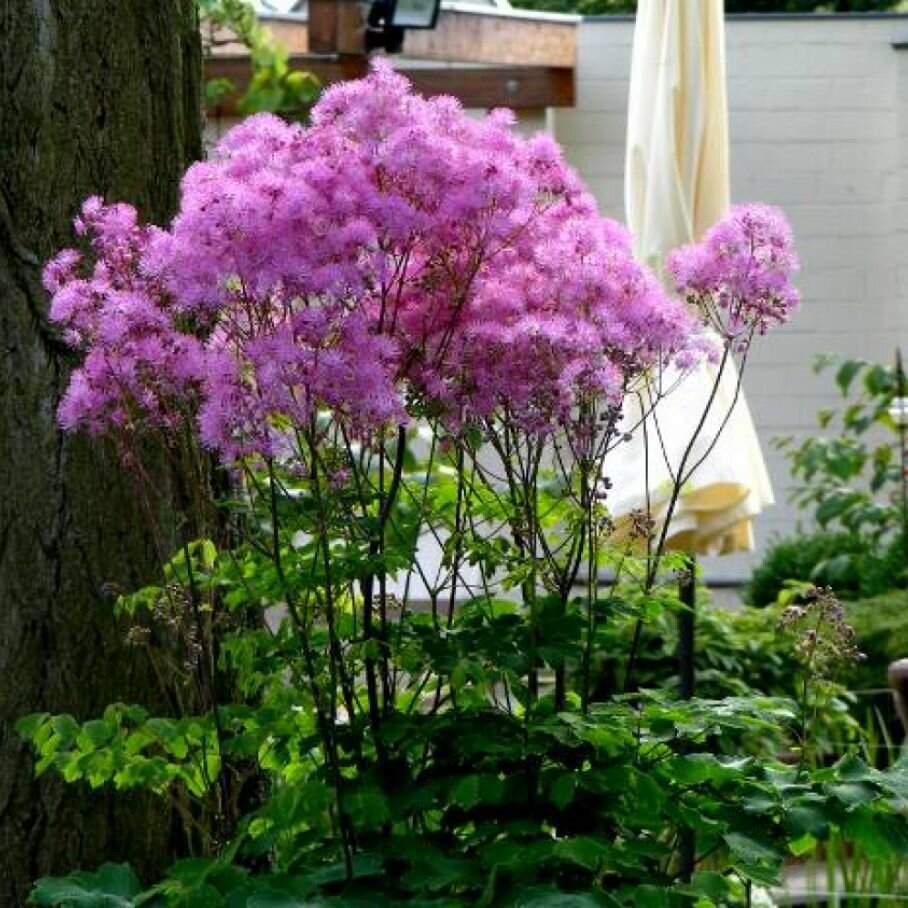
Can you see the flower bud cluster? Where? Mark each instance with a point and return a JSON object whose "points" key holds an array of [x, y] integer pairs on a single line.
{"points": [[825, 641], [741, 272]]}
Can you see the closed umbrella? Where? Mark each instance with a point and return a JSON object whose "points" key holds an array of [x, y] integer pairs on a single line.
{"points": [[676, 186]]}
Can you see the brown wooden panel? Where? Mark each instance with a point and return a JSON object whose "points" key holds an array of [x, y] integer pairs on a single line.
{"points": [[489, 38], [493, 39], [335, 26], [519, 87]]}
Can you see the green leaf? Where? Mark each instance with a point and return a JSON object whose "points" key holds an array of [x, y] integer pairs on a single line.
{"points": [[216, 90], [193, 872], [752, 853], [646, 897], [804, 845], [29, 725], [95, 733], [277, 900], [438, 873], [562, 791], [476, 789], [846, 374], [364, 865], [702, 767], [538, 897], [582, 851], [853, 769], [367, 807], [807, 820], [714, 886], [881, 836], [111, 886], [66, 727], [853, 794]]}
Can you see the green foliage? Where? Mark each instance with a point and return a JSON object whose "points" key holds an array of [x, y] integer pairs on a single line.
{"points": [[506, 811], [882, 635], [597, 830], [850, 476], [273, 85], [414, 751], [866, 871], [850, 482], [737, 652], [841, 560]]}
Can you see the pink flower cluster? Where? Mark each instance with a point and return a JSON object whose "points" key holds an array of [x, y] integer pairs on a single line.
{"points": [[138, 366], [742, 269], [395, 253]]}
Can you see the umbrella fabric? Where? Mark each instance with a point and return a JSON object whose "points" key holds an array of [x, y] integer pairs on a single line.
{"points": [[676, 186], [676, 168]]}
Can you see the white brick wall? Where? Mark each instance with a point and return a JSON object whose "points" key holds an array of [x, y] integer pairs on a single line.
{"points": [[818, 112]]}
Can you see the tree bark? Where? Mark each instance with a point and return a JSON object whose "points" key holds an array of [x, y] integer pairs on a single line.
{"points": [[95, 98]]}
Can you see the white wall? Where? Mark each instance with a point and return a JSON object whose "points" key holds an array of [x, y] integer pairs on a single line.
{"points": [[818, 112]]}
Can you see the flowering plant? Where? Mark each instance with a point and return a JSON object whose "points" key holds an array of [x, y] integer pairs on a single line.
{"points": [[407, 335], [393, 255]]}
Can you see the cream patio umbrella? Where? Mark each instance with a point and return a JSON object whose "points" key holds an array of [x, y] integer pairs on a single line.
{"points": [[676, 186]]}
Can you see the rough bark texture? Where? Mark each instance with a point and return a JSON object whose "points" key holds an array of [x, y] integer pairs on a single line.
{"points": [[95, 97]]}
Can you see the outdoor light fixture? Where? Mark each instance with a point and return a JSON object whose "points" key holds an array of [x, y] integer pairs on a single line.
{"points": [[389, 18]]}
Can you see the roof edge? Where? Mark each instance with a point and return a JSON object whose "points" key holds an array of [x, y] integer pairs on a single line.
{"points": [[773, 17]]}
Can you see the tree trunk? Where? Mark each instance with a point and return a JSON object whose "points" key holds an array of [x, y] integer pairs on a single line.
{"points": [[95, 98]]}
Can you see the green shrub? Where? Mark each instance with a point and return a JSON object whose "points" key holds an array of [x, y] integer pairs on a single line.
{"points": [[849, 480], [797, 558], [840, 560], [881, 628], [739, 652]]}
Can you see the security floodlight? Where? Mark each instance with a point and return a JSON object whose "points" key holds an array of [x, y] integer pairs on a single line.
{"points": [[388, 19], [414, 13]]}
